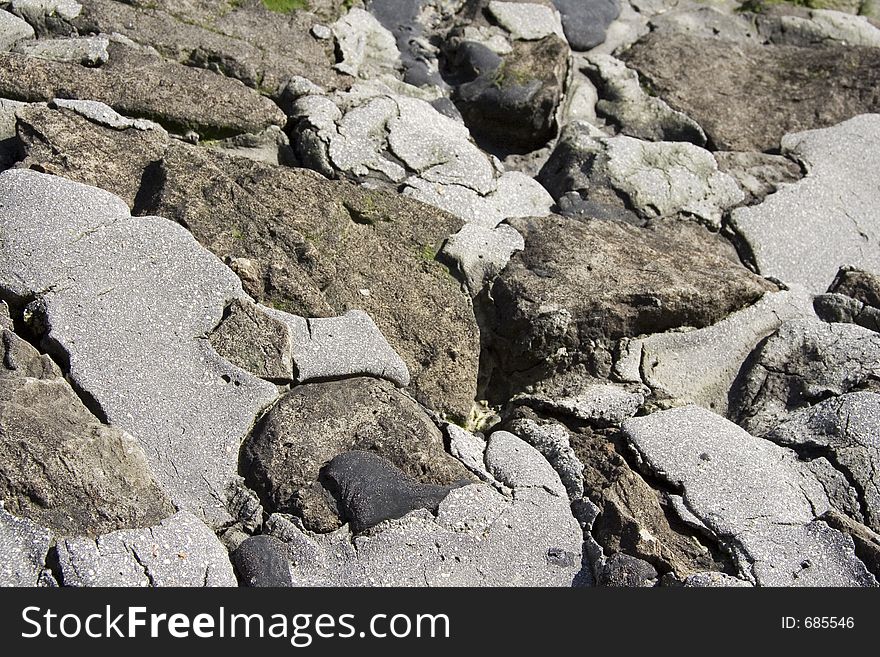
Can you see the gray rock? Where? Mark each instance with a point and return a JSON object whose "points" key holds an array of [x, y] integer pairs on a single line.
{"points": [[370, 490], [481, 253], [88, 51], [857, 284], [627, 104], [553, 443], [657, 179], [845, 429], [260, 561], [9, 151], [179, 551], [37, 9], [758, 174], [599, 404], [126, 301], [470, 449], [272, 146], [841, 308], [516, 464], [715, 580], [806, 231], [526, 20], [701, 366], [12, 30], [59, 466], [820, 27], [315, 422], [102, 114], [367, 49], [755, 496], [803, 363], [586, 21], [24, 546], [867, 542], [622, 570]]}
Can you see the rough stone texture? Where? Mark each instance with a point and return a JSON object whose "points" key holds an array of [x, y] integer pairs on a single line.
{"points": [[806, 231], [88, 51], [657, 179], [525, 20], [298, 242], [622, 570], [845, 430], [24, 546], [12, 30], [841, 308], [370, 490], [315, 422], [803, 363], [586, 21], [366, 48], [125, 303], [480, 253], [263, 49], [755, 496], [59, 466], [758, 174], [700, 367], [598, 404], [715, 580], [272, 146], [179, 551], [578, 284], [138, 84], [260, 562], [747, 96], [638, 114], [515, 463], [860, 285], [867, 542], [479, 537], [9, 151], [553, 443]]}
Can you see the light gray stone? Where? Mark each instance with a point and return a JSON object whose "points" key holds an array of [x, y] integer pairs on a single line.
{"points": [[599, 404], [757, 497], [806, 231], [526, 20], [12, 30], [179, 551], [38, 9], [700, 366], [88, 51], [470, 449], [24, 546], [368, 50], [715, 580], [105, 115], [822, 26], [480, 253], [127, 301], [552, 441], [515, 463]]}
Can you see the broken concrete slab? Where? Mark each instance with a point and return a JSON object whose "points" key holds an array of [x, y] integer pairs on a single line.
{"points": [[87, 51], [25, 546], [12, 30]]}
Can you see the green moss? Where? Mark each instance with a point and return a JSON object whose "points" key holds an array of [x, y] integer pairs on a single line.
{"points": [[427, 252], [285, 6]]}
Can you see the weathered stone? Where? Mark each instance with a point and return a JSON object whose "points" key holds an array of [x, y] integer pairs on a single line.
{"points": [[803, 363], [598, 404], [586, 21], [552, 441], [12, 30], [526, 20], [857, 284], [715, 580], [260, 561], [271, 146], [315, 422], [59, 466], [24, 546], [9, 150], [578, 285], [111, 292], [867, 542], [254, 341], [758, 174], [748, 96], [755, 496], [516, 464], [370, 490], [138, 84], [841, 308], [480, 253], [368, 50], [622, 570], [88, 51], [806, 231], [179, 551]]}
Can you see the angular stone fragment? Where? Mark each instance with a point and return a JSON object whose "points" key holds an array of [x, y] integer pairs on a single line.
{"points": [[12, 30], [126, 302], [260, 561], [254, 341], [586, 21], [9, 150], [758, 174], [481, 253], [515, 463], [755, 496], [179, 551], [526, 20], [88, 51], [24, 546], [598, 404], [367, 49]]}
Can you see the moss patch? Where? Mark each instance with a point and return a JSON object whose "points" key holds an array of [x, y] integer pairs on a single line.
{"points": [[285, 6]]}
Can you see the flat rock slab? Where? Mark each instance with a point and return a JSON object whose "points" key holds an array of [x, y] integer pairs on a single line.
{"points": [[59, 466], [24, 546], [756, 497], [138, 84], [12, 30], [586, 21], [179, 551], [806, 231], [746, 96], [127, 301]]}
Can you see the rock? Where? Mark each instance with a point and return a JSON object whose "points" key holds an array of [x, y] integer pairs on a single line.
{"points": [[470, 449], [272, 146], [747, 96], [701, 366], [366, 250], [714, 580], [656, 179], [263, 49], [821, 27], [118, 308], [316, 422], [59, 466], [622, 570], [553, 443], [803, 363], [638, 114], [480, 253], [368, 50], [25, 547], [807, 230], [860, 285], [9, 151], [516, 464], [586, 21], [841, 308], [260, 562], [138, 84], [88, 51], [179, 551], [755, 496], [867, 542], [758, 174], [843, 429], [578, 285], [13, 30], [598, 404], [102, 114], [509, 103], [370, 490], [45, 15], [526, 21]]}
